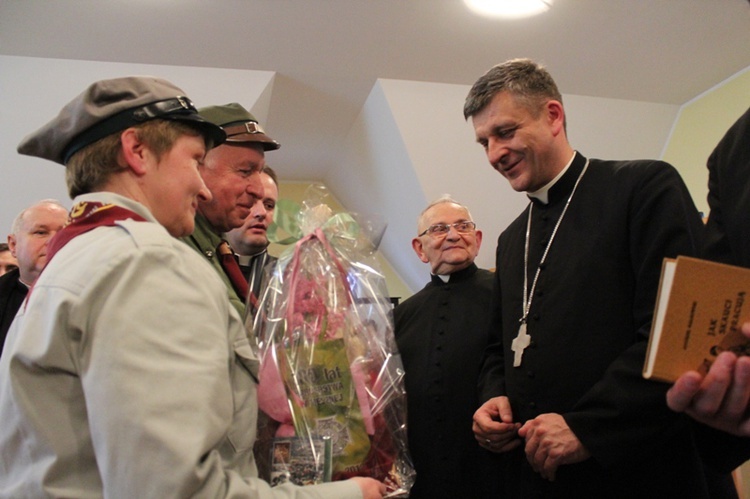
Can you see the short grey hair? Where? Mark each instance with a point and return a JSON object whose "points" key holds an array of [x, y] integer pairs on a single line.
{"points": [[16, 227], [443, 199]]}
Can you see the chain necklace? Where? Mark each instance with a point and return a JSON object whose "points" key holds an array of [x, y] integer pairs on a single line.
{"points": [[523, 340]]}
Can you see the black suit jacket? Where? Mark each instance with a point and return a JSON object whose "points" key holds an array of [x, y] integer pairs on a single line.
{"points": [[727, 240], [728, 228], [12, 294], [256, 271]]}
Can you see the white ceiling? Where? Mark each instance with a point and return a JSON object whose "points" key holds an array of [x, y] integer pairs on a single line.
{"points": [[624, 66], [327, 54]]}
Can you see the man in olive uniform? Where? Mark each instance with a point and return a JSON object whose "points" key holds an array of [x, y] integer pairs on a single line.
{"points": [[231, 172]]}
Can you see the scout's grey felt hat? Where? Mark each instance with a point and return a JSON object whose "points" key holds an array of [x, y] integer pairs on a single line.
{"points": [[239, 125], [109, 106]]}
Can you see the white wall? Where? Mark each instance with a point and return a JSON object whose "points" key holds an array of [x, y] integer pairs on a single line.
{"points": [[408, 145], [701, 124], [33, 90]]}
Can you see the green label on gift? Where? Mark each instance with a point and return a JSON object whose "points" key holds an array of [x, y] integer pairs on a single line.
{"points": [[326, 401]]}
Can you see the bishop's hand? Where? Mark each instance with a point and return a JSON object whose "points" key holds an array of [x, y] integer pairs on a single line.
{"points": [[550, 443], [493, 426]]}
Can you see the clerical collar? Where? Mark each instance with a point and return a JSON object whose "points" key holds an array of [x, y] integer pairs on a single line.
{"points": [[542, 195], [246, 259], [457, 276]]}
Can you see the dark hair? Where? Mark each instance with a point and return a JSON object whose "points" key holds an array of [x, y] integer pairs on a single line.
{"points": [[271, 173], [529, 82]]}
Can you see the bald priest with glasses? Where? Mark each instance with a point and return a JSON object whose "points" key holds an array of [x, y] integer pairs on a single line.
{"points": [[441, 335]]}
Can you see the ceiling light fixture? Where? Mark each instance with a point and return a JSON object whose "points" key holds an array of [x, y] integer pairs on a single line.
{"points": [[512, 9]]}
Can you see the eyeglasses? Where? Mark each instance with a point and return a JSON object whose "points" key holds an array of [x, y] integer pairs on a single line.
{"points": [[443, 229]]}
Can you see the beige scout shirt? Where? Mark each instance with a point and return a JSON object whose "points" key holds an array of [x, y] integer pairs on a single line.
{"points": [[128, 376]]}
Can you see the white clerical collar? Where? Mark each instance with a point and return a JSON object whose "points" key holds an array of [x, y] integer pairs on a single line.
{"points": [[445, 278], [543, 194], [246, 259]]}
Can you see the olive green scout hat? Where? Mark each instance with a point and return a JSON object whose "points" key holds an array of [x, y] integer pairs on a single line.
{"points": [[239, 125]]}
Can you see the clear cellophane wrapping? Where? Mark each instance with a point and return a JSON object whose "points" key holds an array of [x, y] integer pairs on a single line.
{"points": [[331, 386]]}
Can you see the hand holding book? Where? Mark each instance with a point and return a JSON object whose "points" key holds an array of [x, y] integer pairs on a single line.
{"points": [[720, 398], [700, 340]]}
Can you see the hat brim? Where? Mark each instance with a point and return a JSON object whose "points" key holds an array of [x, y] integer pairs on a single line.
{"points": [[264, 140], [178, 109], [213, 134]]}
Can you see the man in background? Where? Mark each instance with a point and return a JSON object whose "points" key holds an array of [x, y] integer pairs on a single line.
{"points": [[250, 241], [231, 173], [721, 399], [441, 334], [31, 231]]}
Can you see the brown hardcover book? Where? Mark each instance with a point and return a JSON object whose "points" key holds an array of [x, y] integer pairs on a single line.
{"points": [[700, 308]]}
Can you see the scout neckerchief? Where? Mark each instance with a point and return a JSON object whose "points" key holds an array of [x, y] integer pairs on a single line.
{"points": [[86, 216], [83, 217], [231, 268], [522, 340]]}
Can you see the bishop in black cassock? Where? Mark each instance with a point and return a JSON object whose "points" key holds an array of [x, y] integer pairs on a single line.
{"points": [[589, 324], [569, 406]]}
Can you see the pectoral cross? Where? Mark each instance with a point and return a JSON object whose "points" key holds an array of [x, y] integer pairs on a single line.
{"points": [[519, 344]]}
